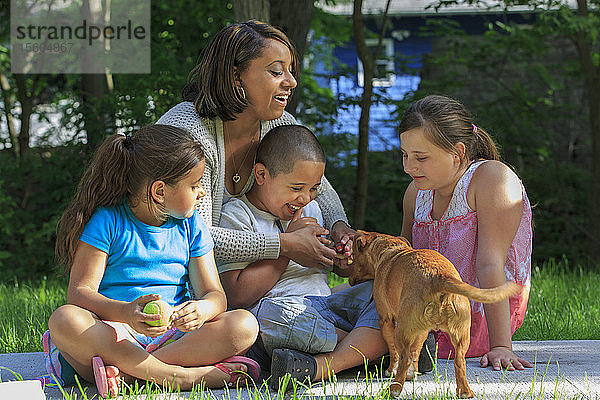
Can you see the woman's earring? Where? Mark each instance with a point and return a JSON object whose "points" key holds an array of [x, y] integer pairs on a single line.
{"points": [[241, 91]]}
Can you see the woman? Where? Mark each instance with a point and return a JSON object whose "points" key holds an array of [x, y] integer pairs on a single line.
{"points": [[237, 93]]}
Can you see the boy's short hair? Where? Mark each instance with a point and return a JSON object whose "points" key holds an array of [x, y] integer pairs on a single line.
{"points": [[284, 145]]}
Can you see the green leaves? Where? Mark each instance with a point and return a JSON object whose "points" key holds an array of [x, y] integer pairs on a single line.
{"points": [[525, 86]]}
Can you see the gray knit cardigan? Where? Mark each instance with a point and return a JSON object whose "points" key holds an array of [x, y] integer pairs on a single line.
{"points": [[232, 245]]}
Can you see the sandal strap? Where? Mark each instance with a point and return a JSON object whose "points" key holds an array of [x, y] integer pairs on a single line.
{"points": [[253, 368], [223, 368], [233, 376]]}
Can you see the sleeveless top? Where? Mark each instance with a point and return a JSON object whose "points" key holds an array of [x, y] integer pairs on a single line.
{"points": [[455, 236]]}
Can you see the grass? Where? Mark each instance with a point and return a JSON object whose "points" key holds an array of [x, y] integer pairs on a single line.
{"points": [[24, 312], [563, 305]]}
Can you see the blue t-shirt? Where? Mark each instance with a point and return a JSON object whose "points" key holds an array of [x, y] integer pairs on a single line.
{"points": [[144, 259]]}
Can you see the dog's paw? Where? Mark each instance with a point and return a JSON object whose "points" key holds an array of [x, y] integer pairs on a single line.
{"points": [[395, 389], [466, 393]]}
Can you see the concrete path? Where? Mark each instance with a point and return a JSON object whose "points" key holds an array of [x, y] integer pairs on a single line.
{"points": [[563, 370]]}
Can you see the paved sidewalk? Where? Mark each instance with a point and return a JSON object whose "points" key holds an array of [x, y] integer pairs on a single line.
{"points": [[563, 370]]}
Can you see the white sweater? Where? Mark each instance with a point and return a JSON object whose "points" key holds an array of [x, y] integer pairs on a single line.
{"points": [[232, 245]]}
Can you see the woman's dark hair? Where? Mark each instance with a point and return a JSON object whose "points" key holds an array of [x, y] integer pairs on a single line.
{"points": [[124, 168], [445, 122], [212, 83]]}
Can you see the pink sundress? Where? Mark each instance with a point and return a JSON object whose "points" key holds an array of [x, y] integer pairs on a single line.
{"points": [[455, 236]]}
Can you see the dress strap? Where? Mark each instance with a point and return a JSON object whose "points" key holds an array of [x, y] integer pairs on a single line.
{"points": [[458, 205]]}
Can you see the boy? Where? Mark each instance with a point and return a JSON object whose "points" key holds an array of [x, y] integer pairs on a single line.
{"points": [[292, 303]]}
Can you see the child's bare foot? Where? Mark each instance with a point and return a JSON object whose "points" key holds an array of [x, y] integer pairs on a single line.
{"points": [[236, 370], [108, 379], [113, 379], [229, 373]]}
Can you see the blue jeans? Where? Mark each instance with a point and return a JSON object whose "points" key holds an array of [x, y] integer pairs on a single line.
{"points": [[308, 324]]}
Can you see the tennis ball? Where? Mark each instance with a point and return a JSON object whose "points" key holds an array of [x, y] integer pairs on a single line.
{"points": [[159, 307]]}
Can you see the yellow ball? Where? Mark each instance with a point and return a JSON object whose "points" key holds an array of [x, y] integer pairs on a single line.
{"points": [[159, 307]]}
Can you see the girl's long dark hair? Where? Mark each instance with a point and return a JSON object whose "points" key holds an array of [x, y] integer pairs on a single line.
{"points": [[123, 168], [446, 122]]}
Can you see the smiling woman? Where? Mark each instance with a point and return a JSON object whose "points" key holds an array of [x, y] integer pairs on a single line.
{"points": [[236, 93]]}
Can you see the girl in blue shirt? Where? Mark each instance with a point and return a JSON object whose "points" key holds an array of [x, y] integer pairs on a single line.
{"points": [[131, 235]]}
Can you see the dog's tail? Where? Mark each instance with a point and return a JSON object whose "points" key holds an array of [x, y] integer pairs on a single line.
{"points": [[492, 295]]}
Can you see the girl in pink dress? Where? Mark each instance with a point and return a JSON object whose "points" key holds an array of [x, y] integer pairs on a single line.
{"points": [[472, 208]]}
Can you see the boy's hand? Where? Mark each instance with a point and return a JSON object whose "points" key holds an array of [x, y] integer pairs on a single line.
{"points": [[188, 316], [303, 242], [303, 222], [299, 222], [136, 318]]}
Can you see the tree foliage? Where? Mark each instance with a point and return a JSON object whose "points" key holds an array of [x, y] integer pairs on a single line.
{"points": [[369, 62], [35, 191], [527, 86]]}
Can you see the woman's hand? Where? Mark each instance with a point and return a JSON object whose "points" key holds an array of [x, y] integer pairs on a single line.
{"points": [[342, 236], [307, 247], [501, 357], [189, 316], [137, 319]]}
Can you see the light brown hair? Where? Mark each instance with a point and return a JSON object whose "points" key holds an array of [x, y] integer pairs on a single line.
{"points": [[445, 122], [212, 82], [123, 169]]}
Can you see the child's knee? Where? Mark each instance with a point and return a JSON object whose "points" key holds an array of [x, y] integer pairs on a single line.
{"points": [[67, 320], [243, 325]]}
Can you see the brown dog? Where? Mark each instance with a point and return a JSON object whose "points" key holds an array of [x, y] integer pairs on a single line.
{"points": [[416, 291]]}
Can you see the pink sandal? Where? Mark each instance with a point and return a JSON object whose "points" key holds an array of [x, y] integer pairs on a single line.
{"points": [[253, 369]]}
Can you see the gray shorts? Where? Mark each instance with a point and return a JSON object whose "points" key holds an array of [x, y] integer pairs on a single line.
{"points": [[308, 324]]}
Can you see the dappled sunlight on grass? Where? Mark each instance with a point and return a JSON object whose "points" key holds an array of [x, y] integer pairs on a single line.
{"points": [[563, 304], [24, 312]]}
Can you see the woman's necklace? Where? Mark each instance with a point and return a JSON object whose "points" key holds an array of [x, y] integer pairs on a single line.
{"points": [[236, 176]]}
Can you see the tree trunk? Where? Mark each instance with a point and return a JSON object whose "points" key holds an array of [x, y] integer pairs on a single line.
{"points": [[25, 98], [93, 85], [293, 18], [243, 10], [92, 93], [369, 62], [592, 92], [8, 99]]}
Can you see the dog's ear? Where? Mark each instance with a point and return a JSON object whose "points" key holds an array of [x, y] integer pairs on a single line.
{"points": [[405, 240], [361, 240]]}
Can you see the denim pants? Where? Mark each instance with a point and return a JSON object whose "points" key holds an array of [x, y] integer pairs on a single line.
{"points": [[308, 324]]}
